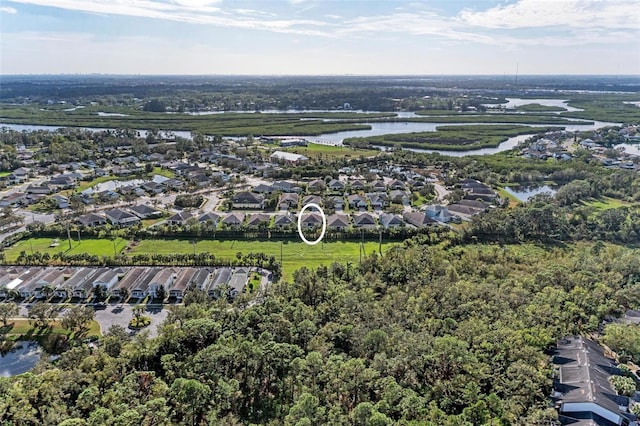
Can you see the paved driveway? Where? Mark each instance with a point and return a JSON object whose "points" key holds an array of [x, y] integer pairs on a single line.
{"points": [[120, 314]]}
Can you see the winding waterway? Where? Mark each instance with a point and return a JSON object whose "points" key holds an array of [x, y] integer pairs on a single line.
{"points": [[385, 128]]}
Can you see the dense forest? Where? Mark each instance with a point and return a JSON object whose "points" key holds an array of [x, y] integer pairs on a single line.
{"points": [[435, 335]]}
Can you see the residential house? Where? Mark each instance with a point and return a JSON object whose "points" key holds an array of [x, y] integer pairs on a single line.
{"points": [[181, 282], [583, 393], [286, 186], [163, 278], [237, 283], [248, 200], [397, 184], [311, 220], [153, 187], [128, 281], [419, 219], [337, 185], [364, 220], [356, 185], [27, 283], [378, 186], [19, 175], [377, 200], [174, 184], [288, 157], [180, 218], [145, 212], [338, 203], [263, 189], [39, 189], [201, 279], [62, 182], [219, 282], [121, 217], [390, 220], [288, 200], [357, 202], [338, 221], [17, 282], [233, 219], [439, 213], [108, 278], [315, 199], [61, 201], [140, 288], [400, 197], [48, 282], [210, 217], [200, 179], [316, 186], [83, 286], [258, 219], [14, 200], [91, 219], [283, 221]]}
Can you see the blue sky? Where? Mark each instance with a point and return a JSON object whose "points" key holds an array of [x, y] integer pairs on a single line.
{"points": [[320, 36]]}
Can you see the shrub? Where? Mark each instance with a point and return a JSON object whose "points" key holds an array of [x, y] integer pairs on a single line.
{"points": [[140, 322]]}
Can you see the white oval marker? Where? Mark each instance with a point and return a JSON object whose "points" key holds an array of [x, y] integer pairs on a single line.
{"points": [[324, 224]]}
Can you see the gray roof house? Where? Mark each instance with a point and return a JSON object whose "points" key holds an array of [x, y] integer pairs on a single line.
{"points": [[364, 220], [336, 185], [145, 212], [91, 219], [582, 391], [439, 213], [257, 219], [338, 221], [209, 217], [233, 219], [128, 281], [180, 218], [390, 220], [419, 219], [288, 200], [182, 282], [248, 200], [283, 220], [121, 217], [311, 220]]}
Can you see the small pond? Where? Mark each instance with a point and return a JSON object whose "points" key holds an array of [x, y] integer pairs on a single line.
{"points": [[22, 358], [523, 193]]}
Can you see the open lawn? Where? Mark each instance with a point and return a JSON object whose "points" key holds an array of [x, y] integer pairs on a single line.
{"points": [[100, 247], [513, 200], [22, 329], [314, 150], [606, 203], [294, 254]]}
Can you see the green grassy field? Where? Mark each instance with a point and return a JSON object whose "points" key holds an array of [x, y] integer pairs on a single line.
{"points": [[20, 328], [294, 254], [99, 247], [606, 203]]}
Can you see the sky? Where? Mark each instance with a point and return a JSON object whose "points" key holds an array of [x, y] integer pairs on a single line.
{"points": [[320, 37]]}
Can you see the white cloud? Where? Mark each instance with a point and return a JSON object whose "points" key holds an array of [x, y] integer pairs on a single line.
{"points": [[195, 3], [519, 23], [7, 9], [562, 13], [195, 13]]}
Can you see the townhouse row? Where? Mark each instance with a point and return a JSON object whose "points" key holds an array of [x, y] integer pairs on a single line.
{"points": [[136, 282]]}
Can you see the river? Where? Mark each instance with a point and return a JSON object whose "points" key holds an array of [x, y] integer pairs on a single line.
{"points": [[378, 129]]}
